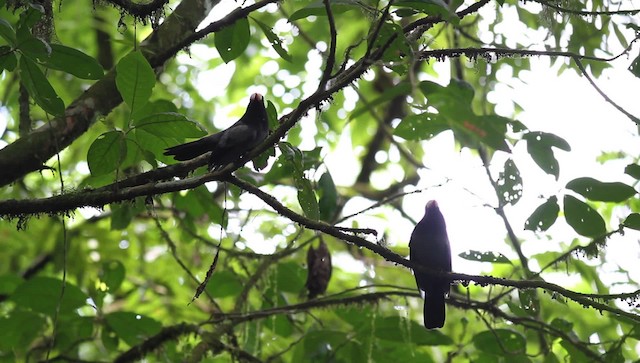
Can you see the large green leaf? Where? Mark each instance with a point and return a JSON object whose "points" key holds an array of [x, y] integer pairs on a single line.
{"points": [[39, 87], [500, 342], [633, 170], [430, 7], [401, 89], [8, 59], [421, 126], [489, 130], [170, 124], [317, 8], [585, 220], [43, 295], [35, 49], [632, 221], [539, 146], [18, 330], [274, 40], [487, 256], [593, 189], [328, 197], [112, 274], [400, 330], [306, 195], [634, 67], [509, 186], [106, 152], [135, 80], [224, 283], [232, 40], [74, 62], [132, 328], [544, 216], [290, 277], [7, 32]]}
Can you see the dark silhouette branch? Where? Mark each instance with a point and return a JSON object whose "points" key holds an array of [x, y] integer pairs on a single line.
{"points": [[139, 10], [561, 9], [586, 300]]}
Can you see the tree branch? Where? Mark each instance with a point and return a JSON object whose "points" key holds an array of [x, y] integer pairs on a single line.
{"points": [[583, 299]]}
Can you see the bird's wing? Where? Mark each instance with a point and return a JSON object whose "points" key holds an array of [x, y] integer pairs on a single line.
{"points": [[236, 135]]}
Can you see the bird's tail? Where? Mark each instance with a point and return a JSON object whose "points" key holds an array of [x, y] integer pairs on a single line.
{"points": [[188, 151], [434, 311]]}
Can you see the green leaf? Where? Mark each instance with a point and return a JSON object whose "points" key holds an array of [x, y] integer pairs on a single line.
{"points": [[72, 329], [307, 198], [153, 144], [318, 9], [42, 294], [290, 277], [132, 328], [106, 152], [272, 115], [8, 59], [596, 190], [398, 48], [9, 283], [39, 87], [632, 221], [539, 146], [562, 325], [224, 283], [199, 202], [328, 197], [544, 216], [261, 161], [509, 186], [306, 195], [585, 220], [401, 89], [112, 274], [30, 17], [274, 40], [135, 80], [319, 345], [155, 107], [400, 330], [431, 7], [7, 32], [493, 257], [231, 41], [500, 341], [74, 62], [529, 301], [122, 213], [285, 165], [489, 130], [633, 170], [18, 329], [575, 354], [634, 68], [170, 124], [423, 126], [35, 49]]}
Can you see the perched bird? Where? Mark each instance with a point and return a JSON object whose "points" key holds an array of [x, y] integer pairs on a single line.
{"points": [[429, 247], [318, 269], [229, 145]]}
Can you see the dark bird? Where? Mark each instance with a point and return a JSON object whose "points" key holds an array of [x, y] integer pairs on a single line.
{"points": [[229, 145], [429, 247], [318, 269]]}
